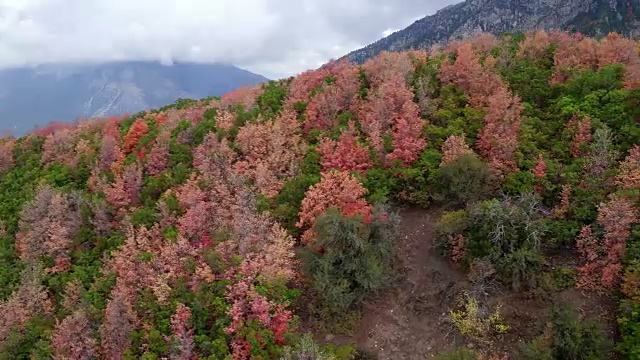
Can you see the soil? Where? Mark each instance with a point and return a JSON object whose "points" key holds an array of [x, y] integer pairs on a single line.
{"points": [[412, 321]]}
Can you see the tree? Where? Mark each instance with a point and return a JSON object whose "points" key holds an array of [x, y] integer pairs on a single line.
{"points": [[454, 147], [391, 110], [603, 258], [388, 66], [581, 129], [6, 154], [182, 340], [498, 139], [71, 338], [345, 153], [245, 96], [48, 225], [59, 146], [357, 258], [629, 171], [332, 99], [535, 45], [270, 152], [158, 158], [136, 132], [336, 189], [120, 320]]}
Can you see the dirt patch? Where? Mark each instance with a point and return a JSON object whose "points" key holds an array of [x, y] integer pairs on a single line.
{"points": [[411, 320]]}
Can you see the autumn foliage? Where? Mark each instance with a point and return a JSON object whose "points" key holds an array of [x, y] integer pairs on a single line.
{"points": [[176, 233]]}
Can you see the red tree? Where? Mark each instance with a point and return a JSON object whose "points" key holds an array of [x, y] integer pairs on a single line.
{"points": [[59, 146], [391, 109], [603, 267], [540, 170], [245, 96], [6, 154], [629, 174], [535, 45], [270, 152], [182, 339], [136, 132], [454, 147], [120, 320], [158, 158], [344, 154], [48, 225], [339, 189], [72, 339], [581, 129], [498, 139]]}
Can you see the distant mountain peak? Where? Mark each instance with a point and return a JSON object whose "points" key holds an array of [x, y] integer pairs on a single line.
{"points": [[462, 20], [36, 95]]}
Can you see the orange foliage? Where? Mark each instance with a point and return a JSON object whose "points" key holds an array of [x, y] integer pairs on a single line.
{"points": [[629, 175], [136, 132], [339, 189], [454, 147]]}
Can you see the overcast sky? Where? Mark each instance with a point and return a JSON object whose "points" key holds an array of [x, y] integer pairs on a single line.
{"points": [[272, 37]]}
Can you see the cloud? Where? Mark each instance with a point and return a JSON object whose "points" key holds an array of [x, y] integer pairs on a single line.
{"points": [[272, 37]]}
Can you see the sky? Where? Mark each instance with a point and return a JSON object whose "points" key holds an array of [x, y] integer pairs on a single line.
{"points": [[275, 38]]}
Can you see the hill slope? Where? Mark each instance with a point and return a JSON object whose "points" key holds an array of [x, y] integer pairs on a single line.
{"points": [[66, 92], [200, 229], [591, 17]]}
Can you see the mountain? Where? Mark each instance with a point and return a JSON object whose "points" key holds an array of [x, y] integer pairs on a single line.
{"points": [[592, 17], [35, 96]]}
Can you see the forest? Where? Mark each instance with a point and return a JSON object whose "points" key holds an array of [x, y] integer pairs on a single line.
{"points": [[500, 176]]}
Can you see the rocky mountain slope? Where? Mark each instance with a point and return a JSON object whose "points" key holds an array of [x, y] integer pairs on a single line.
{"points": [[592, 17], [66, 92]]}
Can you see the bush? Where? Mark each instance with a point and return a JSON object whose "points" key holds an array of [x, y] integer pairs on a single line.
{"points": [[464, 180], [508, 233], [307, 349], [470, 322], [568, 338], [355, 258]]}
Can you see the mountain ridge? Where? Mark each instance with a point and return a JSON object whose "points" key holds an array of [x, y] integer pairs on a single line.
{"points": [[465, 19], [69, 91]]}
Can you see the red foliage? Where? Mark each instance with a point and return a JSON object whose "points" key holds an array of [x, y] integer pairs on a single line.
{"points": [[6, 155], [48, 225], [182, 339], [245, 96], [52, 127], [344, 154], [136, 132], [29, 299], [629, 173], [213, 158], [581, 129], [301, 85], [59, 146], [535, 45], [120, 320], [454, 147], [339, 189], [225, 120], [340, 96], [615, 48], [125, 190], [480, 81], [270, 152], [158, 158], [603, 267], [540, 170], [72, 339], [498, 139], [389, 66], [247, 305], [391, 107]]}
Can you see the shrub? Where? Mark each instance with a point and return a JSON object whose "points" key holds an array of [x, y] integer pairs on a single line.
{"points": [[508, 233], [464, 180], [355, 259], [567, 337], [470, 321]]}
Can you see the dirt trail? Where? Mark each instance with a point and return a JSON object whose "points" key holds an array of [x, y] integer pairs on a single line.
{"points": [[411, 321]]}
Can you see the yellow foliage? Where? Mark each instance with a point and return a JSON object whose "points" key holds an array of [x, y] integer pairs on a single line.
{"points": [[470, 322]]}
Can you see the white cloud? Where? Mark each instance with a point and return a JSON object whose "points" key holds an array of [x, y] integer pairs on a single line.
{"points": [[272, 37]]}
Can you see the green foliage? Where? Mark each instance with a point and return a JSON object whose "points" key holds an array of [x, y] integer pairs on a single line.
{"points": [[466, 179], [457, 354], [272, 98], [570, 339], [509, 234], [355, 259]]}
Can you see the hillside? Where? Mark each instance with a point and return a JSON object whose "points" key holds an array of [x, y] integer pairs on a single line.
{"points": [[67, 92], [478, 202], [468, 18]]}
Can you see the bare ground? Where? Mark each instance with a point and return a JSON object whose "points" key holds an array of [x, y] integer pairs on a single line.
{"points": [[411, 320]]}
